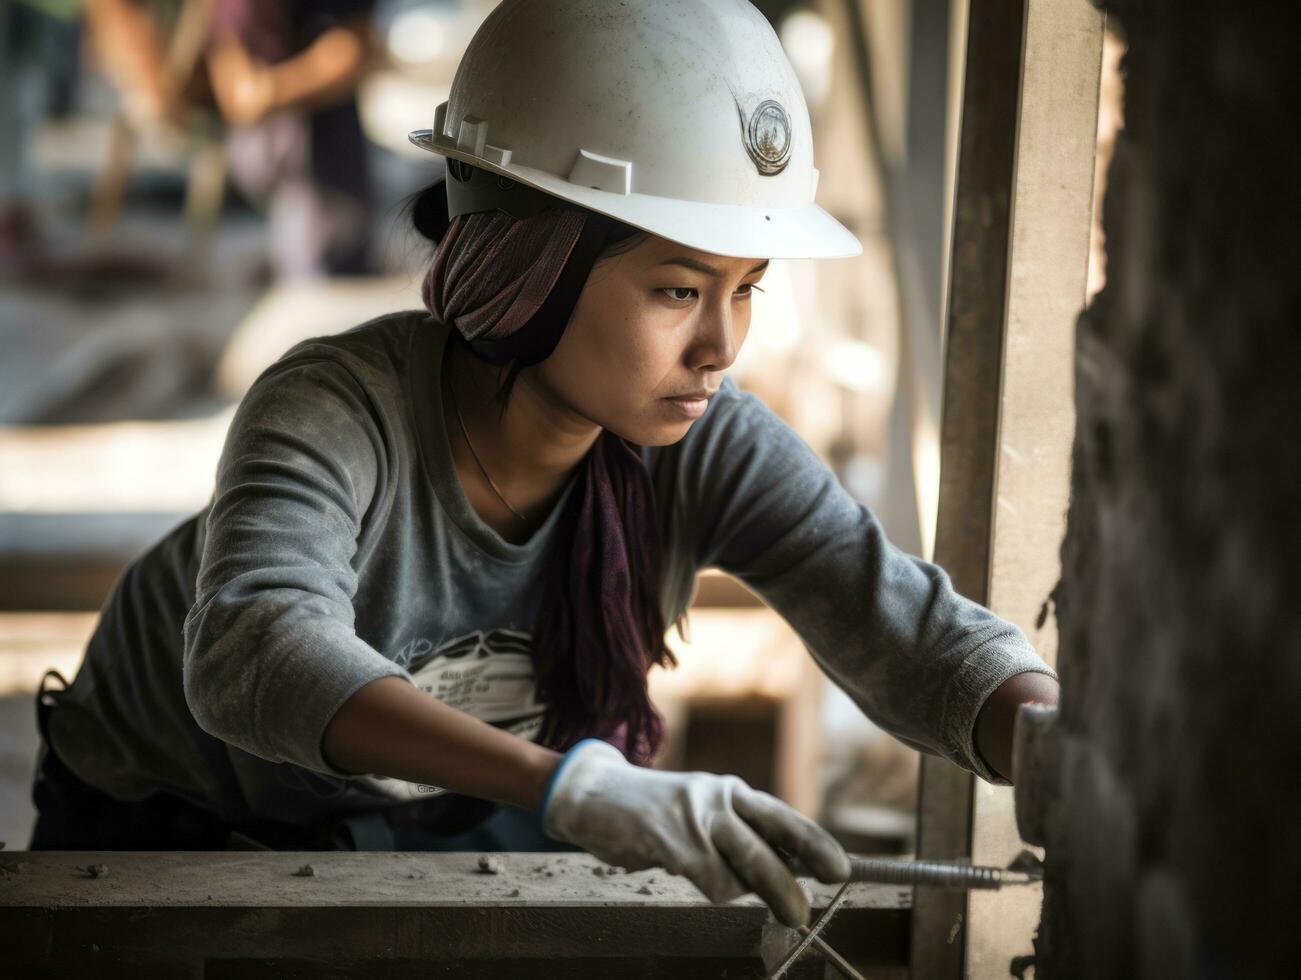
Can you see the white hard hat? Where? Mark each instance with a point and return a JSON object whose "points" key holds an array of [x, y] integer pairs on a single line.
{"points": [[679, 117]]}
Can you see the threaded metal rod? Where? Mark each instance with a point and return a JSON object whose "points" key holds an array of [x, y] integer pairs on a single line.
{"points": [[939, 874]]}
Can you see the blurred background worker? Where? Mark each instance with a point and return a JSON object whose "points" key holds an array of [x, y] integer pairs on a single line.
{"points": [[283, 76]]}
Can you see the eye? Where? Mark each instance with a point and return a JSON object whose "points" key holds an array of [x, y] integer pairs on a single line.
{"points": [[673, 292]]}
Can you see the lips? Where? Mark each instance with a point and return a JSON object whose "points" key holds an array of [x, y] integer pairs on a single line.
{"points": [[690, 407]]}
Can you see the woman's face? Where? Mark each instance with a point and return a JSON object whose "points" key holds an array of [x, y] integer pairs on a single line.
{"points": [[659, 321]]}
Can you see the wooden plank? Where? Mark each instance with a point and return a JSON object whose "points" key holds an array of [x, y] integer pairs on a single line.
{"points": [[1019, 264], [1052, 208]]}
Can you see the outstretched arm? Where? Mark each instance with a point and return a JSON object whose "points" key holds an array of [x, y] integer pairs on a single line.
{"points": [[919, 659]]}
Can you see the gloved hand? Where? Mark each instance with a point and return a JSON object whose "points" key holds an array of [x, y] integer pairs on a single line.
{"points": [[714, 830]]}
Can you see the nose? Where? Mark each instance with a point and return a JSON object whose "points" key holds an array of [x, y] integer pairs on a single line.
{"points": [[715, 346]]}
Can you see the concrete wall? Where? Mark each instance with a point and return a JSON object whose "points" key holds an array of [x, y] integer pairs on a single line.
{"points": [[1176, 847]]}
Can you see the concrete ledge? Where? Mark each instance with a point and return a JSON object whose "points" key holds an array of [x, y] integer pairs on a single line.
{"points": [[228, 914]]}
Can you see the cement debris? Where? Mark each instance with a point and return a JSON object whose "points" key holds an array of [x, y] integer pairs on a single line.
{"points": [[94, 870], [12, 867], [513, 893], [645, 890], [489, 866], [306, 871]]}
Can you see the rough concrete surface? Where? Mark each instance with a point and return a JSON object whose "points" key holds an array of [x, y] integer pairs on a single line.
{"points": [[394, 915], [271, 878], [1180, 653]]}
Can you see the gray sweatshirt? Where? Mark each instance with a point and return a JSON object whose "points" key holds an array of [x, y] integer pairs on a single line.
{"points": [[339, 548]]}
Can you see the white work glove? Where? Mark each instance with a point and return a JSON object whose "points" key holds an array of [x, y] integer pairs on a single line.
{"points": [[714, 830]]}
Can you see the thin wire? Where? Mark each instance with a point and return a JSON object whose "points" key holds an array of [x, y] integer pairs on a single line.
{"points": [[811, 936], [483, 469], [839, 962]]}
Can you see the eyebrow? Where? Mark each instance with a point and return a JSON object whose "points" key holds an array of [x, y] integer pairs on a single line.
{"points": [[709, 270]]}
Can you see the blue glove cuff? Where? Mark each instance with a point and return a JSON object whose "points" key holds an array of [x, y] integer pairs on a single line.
{"points": [[555, 776]]}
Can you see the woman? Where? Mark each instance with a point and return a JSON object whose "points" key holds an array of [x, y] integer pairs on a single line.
{"points": [[441, 552]]}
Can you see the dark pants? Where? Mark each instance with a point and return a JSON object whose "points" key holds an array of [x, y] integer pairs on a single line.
{"points": [[75, 816]]}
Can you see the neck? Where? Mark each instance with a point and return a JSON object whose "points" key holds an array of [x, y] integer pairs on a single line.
{"points": [[531, 449]]}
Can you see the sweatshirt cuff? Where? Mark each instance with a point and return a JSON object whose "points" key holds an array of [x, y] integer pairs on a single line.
{"points": [[994, 660]]}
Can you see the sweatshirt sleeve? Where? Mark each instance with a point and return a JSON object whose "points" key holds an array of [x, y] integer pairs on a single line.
{"points": [[888, 628], [270, 648]]}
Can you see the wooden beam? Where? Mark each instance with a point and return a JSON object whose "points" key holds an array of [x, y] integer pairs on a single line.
{"points": [[1052, 217], [1022, 210], [973, 356]]}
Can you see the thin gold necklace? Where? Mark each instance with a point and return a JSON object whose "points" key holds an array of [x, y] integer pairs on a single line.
{"points": [[483, 469]]}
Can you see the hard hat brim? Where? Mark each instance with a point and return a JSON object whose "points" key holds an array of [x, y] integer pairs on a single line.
{"points": [[731, 230]]}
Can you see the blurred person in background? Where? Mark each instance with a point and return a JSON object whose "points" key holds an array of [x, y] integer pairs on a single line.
{"points": [[283, 75]]}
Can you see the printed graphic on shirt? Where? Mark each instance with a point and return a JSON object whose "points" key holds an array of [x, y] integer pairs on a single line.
{"points": [[488, 674]]}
